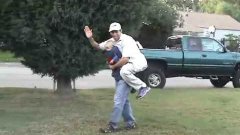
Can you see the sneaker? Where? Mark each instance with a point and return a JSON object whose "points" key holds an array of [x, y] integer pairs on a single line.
{"points": [[143, 92], [132, 126], [109, 129]]}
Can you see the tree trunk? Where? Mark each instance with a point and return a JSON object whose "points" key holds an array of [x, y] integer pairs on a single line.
{"points": [[64, 86]]}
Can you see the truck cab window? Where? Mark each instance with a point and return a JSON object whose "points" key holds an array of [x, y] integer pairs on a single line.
{"points": [[211, 45], [194, 44], [174, 44]]}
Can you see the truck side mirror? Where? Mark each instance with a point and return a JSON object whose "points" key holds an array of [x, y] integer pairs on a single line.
{"points": [[224, 49]]}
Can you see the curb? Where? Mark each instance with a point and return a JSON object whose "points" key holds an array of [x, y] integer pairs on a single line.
{"points": [[11, 64]]}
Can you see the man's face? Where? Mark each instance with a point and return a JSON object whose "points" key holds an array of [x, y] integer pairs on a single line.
{"points": [[115, 34]]}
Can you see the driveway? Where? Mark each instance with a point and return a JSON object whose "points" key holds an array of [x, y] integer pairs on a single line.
{"points": [[17, 75]]}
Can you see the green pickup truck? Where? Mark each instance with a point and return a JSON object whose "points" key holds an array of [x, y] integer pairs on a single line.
{"points": [[190, 56]]}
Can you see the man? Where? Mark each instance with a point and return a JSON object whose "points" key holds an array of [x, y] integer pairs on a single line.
{"points": [[132, 60], [122, 105]]}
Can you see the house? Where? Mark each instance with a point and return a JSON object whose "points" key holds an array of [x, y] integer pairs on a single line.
{"points": [[195, 23]]}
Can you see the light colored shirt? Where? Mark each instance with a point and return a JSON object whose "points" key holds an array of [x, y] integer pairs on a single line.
{"points": [[128, 46]]}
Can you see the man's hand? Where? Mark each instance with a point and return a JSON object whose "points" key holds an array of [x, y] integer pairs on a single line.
{"points": [[111, 62], [88, 32], [89, 35], [120, 63], [111, 67]]}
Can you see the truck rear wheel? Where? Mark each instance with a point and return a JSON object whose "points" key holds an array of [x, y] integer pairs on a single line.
{"points": [[155, 77], [220, 82], [236, 79]]}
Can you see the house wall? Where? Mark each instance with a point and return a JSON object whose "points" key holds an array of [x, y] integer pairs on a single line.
{"points": [[221, 33]]}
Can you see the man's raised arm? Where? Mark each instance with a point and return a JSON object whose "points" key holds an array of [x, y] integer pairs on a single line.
{"points": [[89, 35]]}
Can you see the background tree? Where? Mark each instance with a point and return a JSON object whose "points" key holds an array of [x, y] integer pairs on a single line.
{"points": [[183, 5], [232, 42], [161, 20], [229, 7], [48, 34]]}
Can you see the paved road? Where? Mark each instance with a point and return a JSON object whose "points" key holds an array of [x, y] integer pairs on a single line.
{"points": [[16, 75]]}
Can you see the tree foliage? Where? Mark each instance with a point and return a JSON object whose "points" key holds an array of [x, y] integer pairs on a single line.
{"points": [[232, 42], [49, 35], [161, 20], [183, 5], [229, 7]]}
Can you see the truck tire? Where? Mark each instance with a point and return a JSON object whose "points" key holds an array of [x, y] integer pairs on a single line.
{"points": [[221, 82], [236, 79], [155, 77]]}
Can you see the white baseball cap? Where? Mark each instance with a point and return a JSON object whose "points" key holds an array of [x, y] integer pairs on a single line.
{"points": [[114, 26]]}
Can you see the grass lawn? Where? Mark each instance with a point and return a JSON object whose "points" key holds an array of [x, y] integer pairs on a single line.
{"points": [[8, 57], [163, 112]]}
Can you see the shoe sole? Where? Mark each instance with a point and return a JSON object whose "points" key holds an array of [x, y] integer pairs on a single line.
{"points": [[149, 89]]}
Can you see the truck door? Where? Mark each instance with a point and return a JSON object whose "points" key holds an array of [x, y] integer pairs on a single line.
{"points": [[215, 59], [174, 55], [192, 61]]}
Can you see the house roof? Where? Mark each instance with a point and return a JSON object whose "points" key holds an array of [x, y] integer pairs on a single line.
{"points": [[196, 22]]}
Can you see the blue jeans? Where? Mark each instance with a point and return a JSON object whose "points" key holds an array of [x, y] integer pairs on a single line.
{"points": [[122, 107]]}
